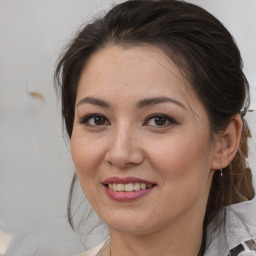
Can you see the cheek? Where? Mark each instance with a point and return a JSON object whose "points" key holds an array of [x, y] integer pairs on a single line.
{"points": [[86, 155], [184, 169], [183, 161]]}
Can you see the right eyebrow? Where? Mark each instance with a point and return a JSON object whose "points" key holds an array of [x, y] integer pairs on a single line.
{"points": [[93, 101]]}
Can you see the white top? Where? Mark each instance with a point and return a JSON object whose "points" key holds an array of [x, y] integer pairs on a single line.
{"points": [[96, 251], [239, 228], [236, 237]]}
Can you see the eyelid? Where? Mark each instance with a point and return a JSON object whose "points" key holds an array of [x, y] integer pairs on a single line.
{"points": [[171, 121], [86, 118], [168, 118]]}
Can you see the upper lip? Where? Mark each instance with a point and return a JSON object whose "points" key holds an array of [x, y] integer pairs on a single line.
{"points": [[126, 180]]}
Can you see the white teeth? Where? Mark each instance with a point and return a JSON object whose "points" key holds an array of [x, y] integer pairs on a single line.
{"points": [[115, 187], [128, 187], [136, 186], [143, 186], [120, 187]]}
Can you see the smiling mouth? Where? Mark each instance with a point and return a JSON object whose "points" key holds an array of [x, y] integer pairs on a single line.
{"points": [[130, 187], [127, 189]]}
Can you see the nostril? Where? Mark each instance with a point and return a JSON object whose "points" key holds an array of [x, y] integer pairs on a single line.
{"points": [[123, 157]]}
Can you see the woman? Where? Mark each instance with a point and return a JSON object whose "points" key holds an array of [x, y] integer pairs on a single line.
{"points": [[153, 100]]}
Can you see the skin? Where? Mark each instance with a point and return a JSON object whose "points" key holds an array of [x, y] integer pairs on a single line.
{"points": [[178, 155]]}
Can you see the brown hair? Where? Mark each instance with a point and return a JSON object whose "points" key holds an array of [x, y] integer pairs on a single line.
{"points": [[206, 54]]}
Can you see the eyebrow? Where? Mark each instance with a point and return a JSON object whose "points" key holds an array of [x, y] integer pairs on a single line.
{"points": [[141, 104], [94, 101], [158, 100]]}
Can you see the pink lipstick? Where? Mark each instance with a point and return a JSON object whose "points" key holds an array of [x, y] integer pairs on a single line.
{"points": [[127, 189]]}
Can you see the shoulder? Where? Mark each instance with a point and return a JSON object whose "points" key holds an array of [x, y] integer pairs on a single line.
{"points": [[245, 248], [94, 251], [236, 236]]}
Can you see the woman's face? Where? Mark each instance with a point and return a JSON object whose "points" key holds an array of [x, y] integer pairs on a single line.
{"points": [[141, 141]]}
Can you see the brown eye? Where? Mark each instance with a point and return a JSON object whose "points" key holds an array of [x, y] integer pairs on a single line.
{"points": [[94, 120], [99, 120], [160, 120]]}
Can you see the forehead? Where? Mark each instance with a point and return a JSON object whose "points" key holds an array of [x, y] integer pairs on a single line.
{"points": [[136, 71]]}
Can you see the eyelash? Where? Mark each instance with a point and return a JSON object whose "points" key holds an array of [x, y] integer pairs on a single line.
{"points": [[171, 121], [85, 120]]}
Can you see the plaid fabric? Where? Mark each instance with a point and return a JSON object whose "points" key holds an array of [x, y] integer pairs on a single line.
{"points": [[245, 246]]}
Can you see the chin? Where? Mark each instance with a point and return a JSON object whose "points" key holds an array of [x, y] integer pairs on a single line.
{"points": [[133, 226]]}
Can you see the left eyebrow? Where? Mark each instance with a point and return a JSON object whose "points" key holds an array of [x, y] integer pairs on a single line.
{"points": [[158, 100]]}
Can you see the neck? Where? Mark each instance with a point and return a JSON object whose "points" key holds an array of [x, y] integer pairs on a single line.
{"points": [[181, 240]]}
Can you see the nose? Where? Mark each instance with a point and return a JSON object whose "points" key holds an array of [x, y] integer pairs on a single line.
{"points": [[124, 150]]}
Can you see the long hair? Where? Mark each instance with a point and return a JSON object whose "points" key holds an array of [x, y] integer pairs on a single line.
{"points": [[204, 51]]}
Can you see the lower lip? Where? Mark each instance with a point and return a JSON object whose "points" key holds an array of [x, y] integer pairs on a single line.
{"points": [[127, 196]]}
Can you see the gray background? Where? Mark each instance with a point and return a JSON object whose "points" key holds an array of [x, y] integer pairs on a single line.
{"points": [[35, 163]]}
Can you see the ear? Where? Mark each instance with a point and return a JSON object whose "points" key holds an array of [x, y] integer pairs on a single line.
{"points": [[228, 143]]}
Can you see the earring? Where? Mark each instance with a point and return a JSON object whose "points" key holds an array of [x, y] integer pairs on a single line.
{"points": [[220, 178], [221, 172]]}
